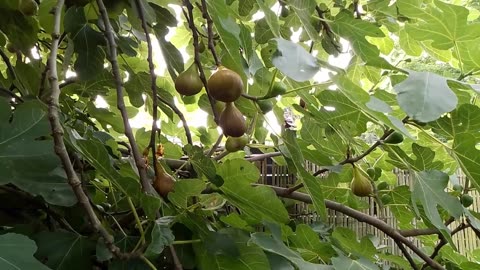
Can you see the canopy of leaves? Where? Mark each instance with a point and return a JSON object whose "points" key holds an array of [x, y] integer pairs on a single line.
{"points": [[91, 122]]}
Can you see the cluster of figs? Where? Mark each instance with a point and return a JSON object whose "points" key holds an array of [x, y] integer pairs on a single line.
{"points": [[225, 86]]}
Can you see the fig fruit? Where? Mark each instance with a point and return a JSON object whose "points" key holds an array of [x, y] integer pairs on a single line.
{"points": [[278, 88], [265, 105], [394, 138], [164, 182], [11, 48], [234, 144], [360, 184], [458, 187], [188, 83], [225, 85], [232, 122], [466, 200], [302, 103], [28, 7], [201, 46]]}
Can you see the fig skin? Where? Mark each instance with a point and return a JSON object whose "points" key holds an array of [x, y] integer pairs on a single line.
{"points": [[466, 200], [232, 122], [265, 105], [164, 182], [234, 144], [394, 138], [28, 7], [225, 85], [360, 184], [188, 83]]}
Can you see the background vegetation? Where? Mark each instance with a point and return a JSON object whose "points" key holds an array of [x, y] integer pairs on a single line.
{"points": [[79, 186]]}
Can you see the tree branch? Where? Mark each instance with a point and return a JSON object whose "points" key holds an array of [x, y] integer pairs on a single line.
{"points": [[375, 222], [406, 254], [191, 24], [180, 115], [352, 160], [153, 76], [211, 35], [59, 145], [112, 55]]}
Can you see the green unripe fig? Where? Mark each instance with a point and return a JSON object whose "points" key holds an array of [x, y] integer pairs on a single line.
{"points": [[11, 48], [371, 172], [457, 187], [382, 186], [265, 105], [232, 121], [278, 88], [201, 46], [225, 85], [360, 184], [394, 138], [188, 83], [466, 200], [28, 7], [386, 199], [234, 144], [284, 12]]}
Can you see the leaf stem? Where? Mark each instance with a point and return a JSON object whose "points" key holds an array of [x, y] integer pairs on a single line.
{"points": [[148, 262], [137, 220], [186, 242]]}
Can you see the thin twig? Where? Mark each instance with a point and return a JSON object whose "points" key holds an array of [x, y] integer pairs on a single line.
{"points": [[362, 217], [406, 254], [352, 160], [176, 261], [191, 24], [180, 115], [263, 156], [214, 147], [443, 242], [211, 35], [10, 94], [9, 65], [59, 145], [153, 76], [417, 232], [112, 55]]}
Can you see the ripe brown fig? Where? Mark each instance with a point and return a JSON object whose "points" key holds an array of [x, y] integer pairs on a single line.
{"points": [[164, 182], [225, 85], [360, 184], [234, 144], [28, 7], [232, 122], [188, 83]]}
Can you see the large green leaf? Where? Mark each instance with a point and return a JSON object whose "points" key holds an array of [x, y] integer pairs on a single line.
{"points": [[27, 159], [312, 185], [251, 200], [65, 250], [294, 61], [16, 253], [347, 263], [307, 239], [444, 24], [429, 190], [464, 119], [249, 256], [425, 96], [465, 151], [273, 243]]}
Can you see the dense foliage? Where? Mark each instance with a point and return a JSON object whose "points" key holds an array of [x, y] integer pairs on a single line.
{"points": [[357, 88]]}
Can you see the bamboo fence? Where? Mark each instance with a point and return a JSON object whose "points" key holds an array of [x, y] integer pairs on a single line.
{"points": [[272, 174]]}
